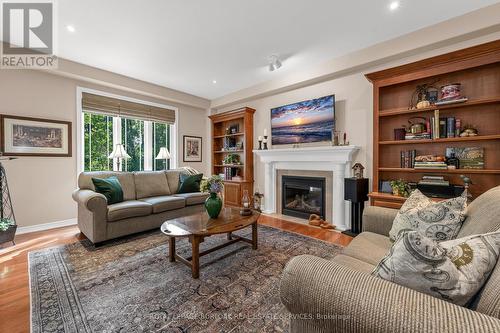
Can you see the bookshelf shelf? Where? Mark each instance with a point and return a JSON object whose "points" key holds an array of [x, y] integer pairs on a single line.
{"points": [[228, 151], [228, 135], [453, 171], [229, 165], [476, 69], [442, 140], [399, 111]]}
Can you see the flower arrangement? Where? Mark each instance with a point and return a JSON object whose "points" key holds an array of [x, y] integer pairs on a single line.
{"points": [[214, 184], [5, 224]]}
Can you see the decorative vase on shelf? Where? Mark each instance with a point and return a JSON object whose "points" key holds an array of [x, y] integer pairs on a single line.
{"points": [[213, 205]]}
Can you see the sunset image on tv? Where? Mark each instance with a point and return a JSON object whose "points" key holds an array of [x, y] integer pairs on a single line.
{"points": [[303, 122]]}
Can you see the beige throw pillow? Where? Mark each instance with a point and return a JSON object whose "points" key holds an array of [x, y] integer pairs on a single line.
{"points": [[454, 270], [439, 221]]}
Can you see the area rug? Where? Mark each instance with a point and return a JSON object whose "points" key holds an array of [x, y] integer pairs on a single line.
{"points": [[130, 285]]}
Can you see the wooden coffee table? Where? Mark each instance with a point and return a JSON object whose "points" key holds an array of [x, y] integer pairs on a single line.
{"points": [[198, 226]]}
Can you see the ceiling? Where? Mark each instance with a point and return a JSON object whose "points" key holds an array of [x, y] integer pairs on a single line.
{"points": [[187, 44]]}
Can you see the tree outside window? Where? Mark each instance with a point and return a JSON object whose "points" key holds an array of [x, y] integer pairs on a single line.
{"points": [[98, 142]]}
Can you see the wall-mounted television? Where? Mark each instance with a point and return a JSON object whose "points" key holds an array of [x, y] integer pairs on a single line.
{"points": [[303, 122]]}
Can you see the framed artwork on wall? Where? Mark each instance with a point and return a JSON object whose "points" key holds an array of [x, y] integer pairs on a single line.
{"points": [[25, 136], [192, 148]]}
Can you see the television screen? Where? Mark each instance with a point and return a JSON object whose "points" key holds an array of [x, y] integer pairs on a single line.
{"points": [[303, 122]]}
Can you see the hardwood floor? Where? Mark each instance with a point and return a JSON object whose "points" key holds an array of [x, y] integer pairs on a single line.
{"points": [[14, 281]]}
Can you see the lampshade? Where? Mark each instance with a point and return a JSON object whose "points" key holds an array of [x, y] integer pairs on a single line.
{"points": [[119, 152], [163, 154]]}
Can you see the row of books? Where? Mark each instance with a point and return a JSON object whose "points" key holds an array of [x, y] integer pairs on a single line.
{"points": [[434, 180], [419, 136], [408, 158], [229, 173], [430, 165], [448, 127]]}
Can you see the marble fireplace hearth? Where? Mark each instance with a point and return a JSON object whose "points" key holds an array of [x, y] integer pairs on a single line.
{"points": [[330, 162]]}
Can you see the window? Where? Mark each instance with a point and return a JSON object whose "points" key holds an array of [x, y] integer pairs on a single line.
{"points": [[161, 138], [98, 137], [141, 139]]}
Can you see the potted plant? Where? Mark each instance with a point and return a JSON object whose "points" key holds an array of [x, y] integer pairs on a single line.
{"points": [[400, 188], [7, 230], [232, 159], [214, 186]]}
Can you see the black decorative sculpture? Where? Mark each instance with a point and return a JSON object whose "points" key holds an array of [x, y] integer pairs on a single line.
{"points": [[7, 218]]}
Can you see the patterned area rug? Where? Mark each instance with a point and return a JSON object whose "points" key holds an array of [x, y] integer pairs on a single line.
{"points": [[130, 285]]}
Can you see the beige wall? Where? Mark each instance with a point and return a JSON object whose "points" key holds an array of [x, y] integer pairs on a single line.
{"points": [[41, 187]]}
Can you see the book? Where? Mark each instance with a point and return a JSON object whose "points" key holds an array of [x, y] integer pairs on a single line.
{"points": [[451, 101], [458, 127], [442, 128], [450, 127], [436, 124]]}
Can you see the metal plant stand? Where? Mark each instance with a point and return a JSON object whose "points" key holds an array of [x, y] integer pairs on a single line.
{"points": [[6, 210]]}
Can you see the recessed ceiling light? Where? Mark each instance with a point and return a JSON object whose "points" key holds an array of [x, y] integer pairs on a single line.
{"points": [[70, 28], [394, 5], [214, 81]]}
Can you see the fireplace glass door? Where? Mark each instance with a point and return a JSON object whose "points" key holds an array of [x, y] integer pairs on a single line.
{"points": [[303, 196]]}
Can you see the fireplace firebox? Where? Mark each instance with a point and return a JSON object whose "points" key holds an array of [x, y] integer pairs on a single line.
{"points": [[303, 196]]}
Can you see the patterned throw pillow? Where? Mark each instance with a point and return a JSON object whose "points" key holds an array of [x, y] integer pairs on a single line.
{"points": [[454, 270], [439, 221]]}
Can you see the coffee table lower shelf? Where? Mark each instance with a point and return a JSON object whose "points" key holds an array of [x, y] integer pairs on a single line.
{"points": [[193, 261]]}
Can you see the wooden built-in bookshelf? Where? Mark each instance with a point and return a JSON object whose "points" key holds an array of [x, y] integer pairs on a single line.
{"points": [[478, 70], [241, 144]]}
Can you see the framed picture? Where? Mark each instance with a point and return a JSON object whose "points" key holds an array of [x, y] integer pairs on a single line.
{"points": [[192, 148], [23, 136], [303, 122]]}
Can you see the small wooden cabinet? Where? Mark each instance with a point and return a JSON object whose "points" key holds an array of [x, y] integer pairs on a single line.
{"points": [[232, 135]]}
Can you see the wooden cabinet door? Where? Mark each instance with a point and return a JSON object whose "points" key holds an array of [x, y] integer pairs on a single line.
{"points": [[232, 194]]}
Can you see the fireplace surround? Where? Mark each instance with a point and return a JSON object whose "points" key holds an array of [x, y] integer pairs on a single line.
{"points": [[333, 159]]}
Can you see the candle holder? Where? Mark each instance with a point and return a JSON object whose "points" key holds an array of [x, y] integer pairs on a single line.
{"points": [[265, 142], [245, 202], [260, 144]]}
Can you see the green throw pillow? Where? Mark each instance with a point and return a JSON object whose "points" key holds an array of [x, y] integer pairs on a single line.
{"points": [[110, 187], [189, 184]]}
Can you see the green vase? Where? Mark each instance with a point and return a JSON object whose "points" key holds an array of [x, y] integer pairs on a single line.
{"points": [[213, 205]]}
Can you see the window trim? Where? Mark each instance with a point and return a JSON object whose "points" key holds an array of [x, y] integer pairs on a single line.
{"points": [[80, 160]]}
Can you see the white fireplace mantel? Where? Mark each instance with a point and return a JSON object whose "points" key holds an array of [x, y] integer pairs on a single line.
{"points": [[336, 159]]}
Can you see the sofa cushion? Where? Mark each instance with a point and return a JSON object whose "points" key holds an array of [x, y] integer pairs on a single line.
{"points": [[194, 198], [189, 183], [151, 184], [453, 270], [126, 180], [110, 188], [164, 203], [439, 221], [483, 214], [173, 180], [353, 263], [368, 247], [127, 209]]}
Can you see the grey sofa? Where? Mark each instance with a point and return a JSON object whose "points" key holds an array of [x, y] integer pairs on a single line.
{"points": [[150, 198], [341, 296]]}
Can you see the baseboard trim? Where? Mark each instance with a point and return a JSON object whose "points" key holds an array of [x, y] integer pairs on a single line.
{"points": [[45, 226]]}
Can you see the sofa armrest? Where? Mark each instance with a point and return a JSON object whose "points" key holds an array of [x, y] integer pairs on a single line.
{"points": [[378, 219], [92, 214], [91, 200], [345, 300]]}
